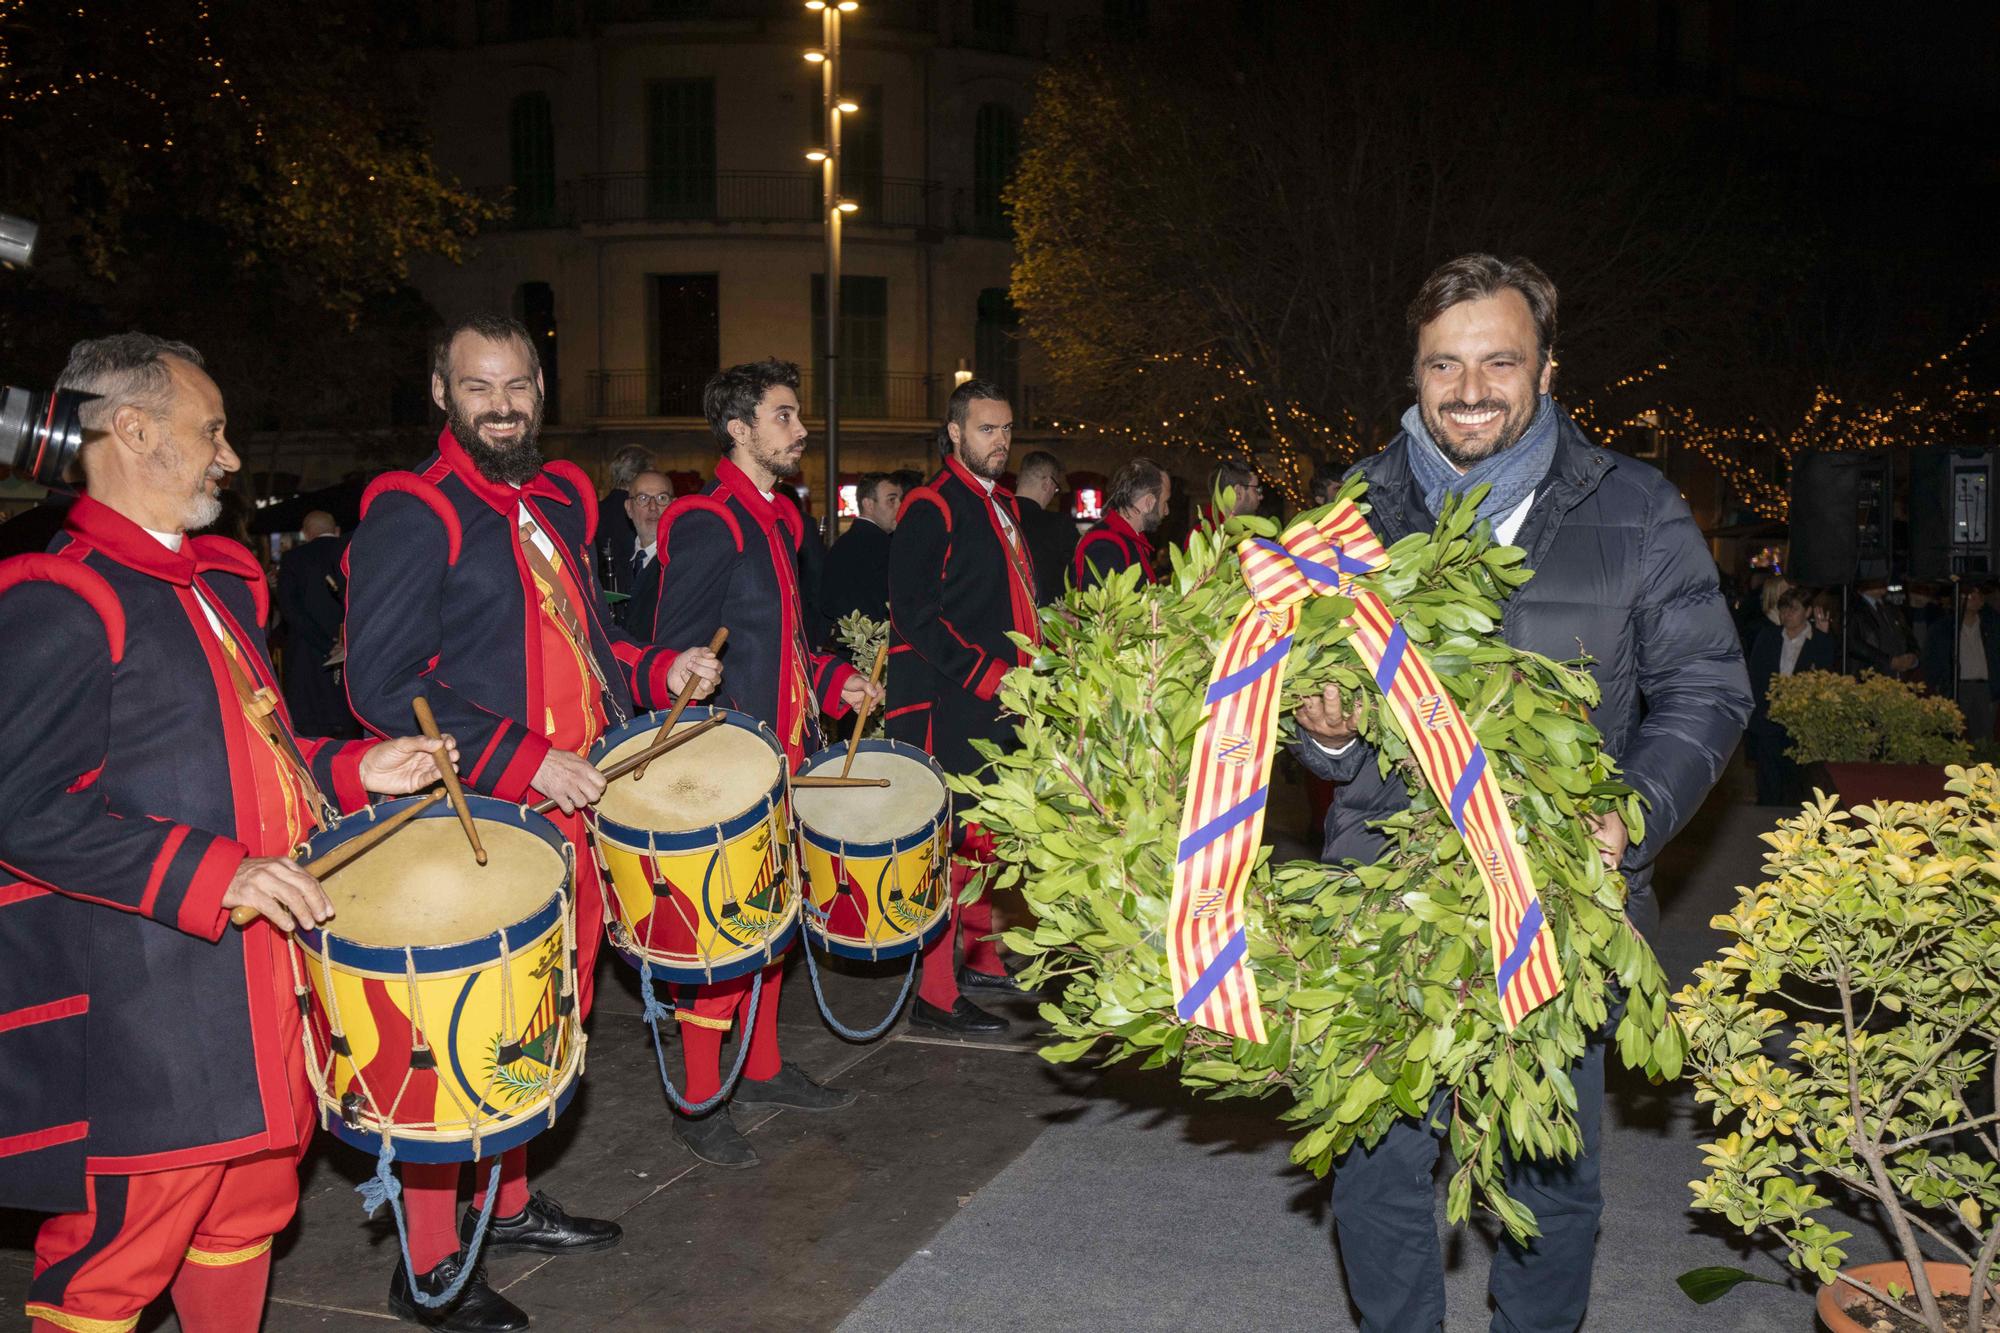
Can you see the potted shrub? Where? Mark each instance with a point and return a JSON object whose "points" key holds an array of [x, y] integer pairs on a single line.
{"points": [[1848, 1043], [1879, 738]]}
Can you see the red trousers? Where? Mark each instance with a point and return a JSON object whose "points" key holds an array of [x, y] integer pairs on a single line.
{"points": [[973, 921], [203, 1231], [430, 1192], [706, 1013]]}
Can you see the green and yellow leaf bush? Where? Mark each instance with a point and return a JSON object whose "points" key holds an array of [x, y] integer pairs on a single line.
{"points": [[1836, 719], [1377, 981], [1845, 1039]]}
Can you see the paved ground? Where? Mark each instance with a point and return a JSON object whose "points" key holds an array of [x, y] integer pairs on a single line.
{"points": [[964, 1170]]}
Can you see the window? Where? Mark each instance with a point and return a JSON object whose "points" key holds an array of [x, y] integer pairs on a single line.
{"points": [[531, 140], [687, 340], [864, 346], [996, 351], [996, 142], [535, 307], [680, 148]]}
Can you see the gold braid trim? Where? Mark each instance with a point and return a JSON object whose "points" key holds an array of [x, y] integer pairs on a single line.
{"points": [[702, 1020], [77, 1323], [210, 1259]]}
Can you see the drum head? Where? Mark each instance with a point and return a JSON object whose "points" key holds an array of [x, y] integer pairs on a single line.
{"points": [[872, 814], [711, 779], [422, 887]]}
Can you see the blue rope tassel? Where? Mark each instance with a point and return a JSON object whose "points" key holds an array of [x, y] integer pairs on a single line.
{"points": [[383, 1187], [654, 1013], [812, 970]]}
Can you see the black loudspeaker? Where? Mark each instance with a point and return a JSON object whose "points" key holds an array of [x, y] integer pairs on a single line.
{"points": [[1843, 512], [1953, 520]]}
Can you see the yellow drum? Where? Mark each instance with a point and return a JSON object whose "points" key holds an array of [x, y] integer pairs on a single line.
{"points": [[877, 861], [444, 992], [702, 885]]}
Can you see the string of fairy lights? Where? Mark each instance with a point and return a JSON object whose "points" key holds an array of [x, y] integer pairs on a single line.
{"points": [[1938, 406]]}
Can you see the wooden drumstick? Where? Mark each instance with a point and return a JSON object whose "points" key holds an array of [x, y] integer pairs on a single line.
{"points": [[861, 717], [322, 866], [428, 722], [810, 781], [647, 756], [680, 704]]}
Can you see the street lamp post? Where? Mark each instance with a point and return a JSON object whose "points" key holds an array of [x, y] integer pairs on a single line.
{"points": [[832, 210]]}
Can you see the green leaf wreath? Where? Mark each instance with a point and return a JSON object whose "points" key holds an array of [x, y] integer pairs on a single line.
{"points": [[1377, 981]]}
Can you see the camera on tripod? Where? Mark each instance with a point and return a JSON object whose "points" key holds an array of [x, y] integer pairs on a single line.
{"points": [[40, 433]]}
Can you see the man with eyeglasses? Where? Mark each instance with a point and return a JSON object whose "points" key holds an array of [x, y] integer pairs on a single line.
{"points": [[636, 572]]}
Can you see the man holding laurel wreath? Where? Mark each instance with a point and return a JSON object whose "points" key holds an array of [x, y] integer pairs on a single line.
{"points": [[1623, 578]]}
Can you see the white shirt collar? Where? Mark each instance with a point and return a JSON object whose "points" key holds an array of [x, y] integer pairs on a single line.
{"points": [[171, 540]]}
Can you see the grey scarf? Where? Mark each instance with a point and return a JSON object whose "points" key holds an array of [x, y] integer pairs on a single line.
{"points": [[1513, 473]]}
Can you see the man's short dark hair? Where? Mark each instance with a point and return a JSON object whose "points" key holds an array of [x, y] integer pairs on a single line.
{"points": [[1794, 596], [1325, 486], [493, 328], [870, 486], [123, 368], [908, 478], [733, 394], [628, 463], [1036, 463], [1474, 278], [1233, 473], [1141, 476], [960, 403]]}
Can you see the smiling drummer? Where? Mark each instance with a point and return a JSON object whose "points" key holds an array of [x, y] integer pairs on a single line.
{"points": [[156, 1097], [729, 558], [473, 582]]}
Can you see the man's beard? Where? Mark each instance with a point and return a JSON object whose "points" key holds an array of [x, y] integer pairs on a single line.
{"points": [[203, 510], [777, 461], [1512, 427], [991, 467], [514, 464]]}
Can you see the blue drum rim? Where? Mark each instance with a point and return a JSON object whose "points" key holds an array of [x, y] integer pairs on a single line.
{"points": [[675, 975], [909, 842], [901, 949], [436, 958], [439, 1151], [654, 843]]}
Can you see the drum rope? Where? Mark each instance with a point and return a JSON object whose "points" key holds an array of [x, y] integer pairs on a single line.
{"points": [[383, 1187], [656, 1013], [812, 966]]}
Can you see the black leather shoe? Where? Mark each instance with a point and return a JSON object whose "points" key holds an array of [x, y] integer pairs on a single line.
{"points": [[792, 1090], [714, 1139], [1001, 984], [963, 1019], [542, 1227], [478, 1309]]}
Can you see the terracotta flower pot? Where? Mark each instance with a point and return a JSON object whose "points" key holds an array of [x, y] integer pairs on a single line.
{"points": [[1837, 1298], [1865, 784]]}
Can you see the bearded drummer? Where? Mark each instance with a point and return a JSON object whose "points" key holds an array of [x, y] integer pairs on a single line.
{"points": [[472, 581], [156, 1096], [729, 557]]}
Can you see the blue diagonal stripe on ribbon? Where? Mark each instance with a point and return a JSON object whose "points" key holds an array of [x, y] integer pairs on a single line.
{"points": [[1243, 676], [1223, 822], [1314, 569], [1461, 791], [1212, 975], [1392, 657], [1531, 926]]}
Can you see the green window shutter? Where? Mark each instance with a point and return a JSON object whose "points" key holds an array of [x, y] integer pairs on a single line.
{"points": [[864, 346], [531, 141], [680, 148], [996, 144]]}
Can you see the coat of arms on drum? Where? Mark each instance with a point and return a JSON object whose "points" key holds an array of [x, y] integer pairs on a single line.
{"points": [[523, 1070]]}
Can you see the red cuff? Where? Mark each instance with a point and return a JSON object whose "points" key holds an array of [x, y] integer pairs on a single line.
{"points": [[830, 699], [517, 779], [989, 684], [202, 913], [659, 694], [348, 793]]}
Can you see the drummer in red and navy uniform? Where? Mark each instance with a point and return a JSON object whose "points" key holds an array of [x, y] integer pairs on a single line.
{"points": [[472, 581], [156, 1097], [1124, 536], [960, 580], [729, 557]]}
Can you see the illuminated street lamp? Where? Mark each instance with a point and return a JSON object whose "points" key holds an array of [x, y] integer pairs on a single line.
{"points": [[833, 211]]}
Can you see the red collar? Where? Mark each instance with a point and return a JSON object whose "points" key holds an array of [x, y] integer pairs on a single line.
{"points": [[102, 528], [1114, 522], [771, 513], [498, 495], [978, 483]]}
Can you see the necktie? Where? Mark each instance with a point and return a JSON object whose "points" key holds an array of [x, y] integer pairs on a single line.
{"points": [[638, 568], [556, 599]]}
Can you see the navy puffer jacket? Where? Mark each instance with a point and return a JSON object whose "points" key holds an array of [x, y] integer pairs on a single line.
{"points": [[1621, 576]]}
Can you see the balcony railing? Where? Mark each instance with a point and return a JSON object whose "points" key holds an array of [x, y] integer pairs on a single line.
{"points": [[745, 196], [896, 395]]}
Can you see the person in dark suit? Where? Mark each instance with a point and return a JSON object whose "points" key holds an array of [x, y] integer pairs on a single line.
{"points": [[1783, 649], [1052, 537], [1878, 633], [615, 530], [1978, 661], [311, 590], [634, 569], [857, 568]]}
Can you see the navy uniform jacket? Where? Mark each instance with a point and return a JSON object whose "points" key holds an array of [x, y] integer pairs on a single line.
{"points": [[440, 602], [728, 560], [137, 1029], [1052, 542], [857, 574], [310, 611], [954, 595], [1111, 547]]}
